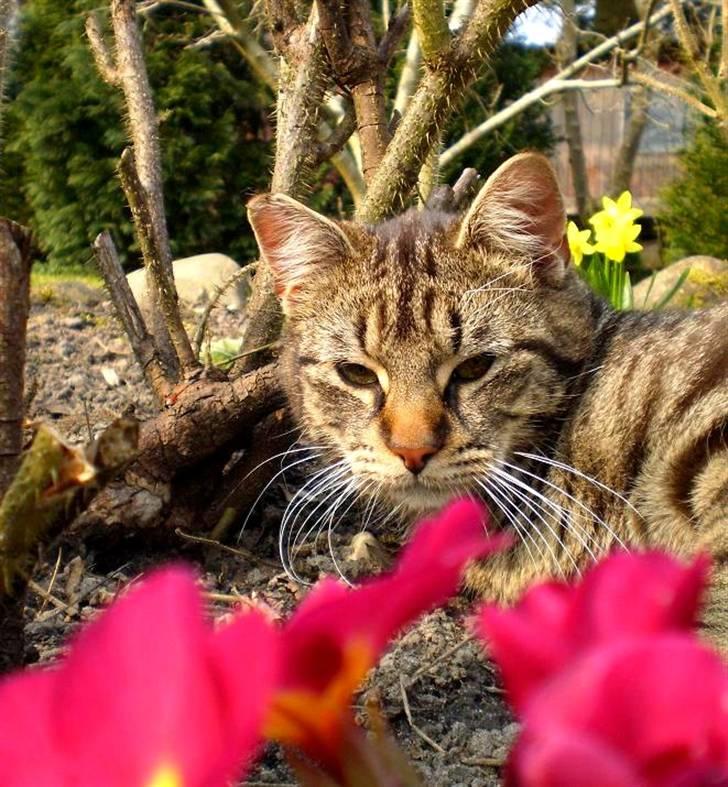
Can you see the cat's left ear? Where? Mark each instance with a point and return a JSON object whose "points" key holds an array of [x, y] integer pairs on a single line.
{"points": [[296, 242], [520, 211]]}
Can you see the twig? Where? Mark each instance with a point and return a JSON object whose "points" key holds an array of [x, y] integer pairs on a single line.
{"points": [[47, 596], [425, 668], [130, 316], [52, 580], [417, 730], [238, 551], [484, 762], [151, 232], [397, 27], [219, 290], [663, 86], [15, 265]]}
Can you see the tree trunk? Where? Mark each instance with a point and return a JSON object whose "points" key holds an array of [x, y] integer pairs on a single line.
{"points": [[627, 155], [15, 262], [566, 53]]}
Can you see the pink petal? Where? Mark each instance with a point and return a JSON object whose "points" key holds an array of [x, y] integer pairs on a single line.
{"points": [[562, 758], [28, 756], [660, 701], [624, 596], [332, 616], [245, 655], [636, 594]]}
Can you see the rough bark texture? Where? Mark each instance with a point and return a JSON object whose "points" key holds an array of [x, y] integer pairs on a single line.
{"points": [[127, 310], [440, 89], [144, 132], [15, 263], [202, 417], [300, 93], [566, 53]]}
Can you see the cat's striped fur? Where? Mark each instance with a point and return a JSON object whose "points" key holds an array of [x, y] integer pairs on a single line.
{"points": [[490, 369]]}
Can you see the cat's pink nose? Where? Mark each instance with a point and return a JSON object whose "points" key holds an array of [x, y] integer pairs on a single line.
{"points": [[415, 459]]}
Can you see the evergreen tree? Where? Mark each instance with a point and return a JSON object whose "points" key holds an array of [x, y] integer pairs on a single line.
{"points": [[65, 134], [695, 216]]}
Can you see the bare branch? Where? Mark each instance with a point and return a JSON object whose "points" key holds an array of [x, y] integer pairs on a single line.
{"points": [[561, 81], [15, 263], [396, 29], [230, 21], [337, 138], [130, 316], [432, 30], [566, 52], [431, 105], [102, 57], [663, 86], [410, 75]]}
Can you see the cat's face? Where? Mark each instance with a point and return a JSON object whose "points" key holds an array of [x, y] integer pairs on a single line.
{"points": [[422, 352]]}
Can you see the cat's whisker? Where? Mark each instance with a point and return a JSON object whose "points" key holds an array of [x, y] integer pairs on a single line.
{"points": [[336, 481], [508, 481], [495, 499], [579, 503], [319, 480], [331, 527], [580, 474], [562, 514], [273, 479]]}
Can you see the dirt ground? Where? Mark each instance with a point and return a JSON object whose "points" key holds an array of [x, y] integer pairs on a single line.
{"points": [[442, 700]]}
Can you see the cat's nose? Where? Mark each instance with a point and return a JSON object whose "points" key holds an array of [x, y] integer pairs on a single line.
{"points": [[415, 459]]}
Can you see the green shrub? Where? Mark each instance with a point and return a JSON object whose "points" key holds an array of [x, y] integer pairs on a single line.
{"points": [[65, 133], [694, 216]]}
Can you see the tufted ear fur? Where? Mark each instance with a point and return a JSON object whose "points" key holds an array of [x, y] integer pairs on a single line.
{"points": [[294, 241], [520, 210]]}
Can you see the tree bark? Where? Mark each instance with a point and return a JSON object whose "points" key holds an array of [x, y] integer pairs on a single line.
{"points": [[627, 155], [566, 52], [440, 89], [15, 263]]}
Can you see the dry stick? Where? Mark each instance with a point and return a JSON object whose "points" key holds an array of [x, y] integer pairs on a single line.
{"points": [[567, 50], [303, 79], [711, 84], [15, 264], [417, 730], [146, 183], [723, 67], [130, 316], [237, 551], [219, 290]]}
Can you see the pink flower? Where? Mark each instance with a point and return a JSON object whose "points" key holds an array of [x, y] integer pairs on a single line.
{"points": [[646, 712], [148, 696], [626, 595], [338, 634], [613, 687]]}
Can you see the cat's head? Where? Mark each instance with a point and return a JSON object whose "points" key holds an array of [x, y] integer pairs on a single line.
{"points": [[423, 350]]}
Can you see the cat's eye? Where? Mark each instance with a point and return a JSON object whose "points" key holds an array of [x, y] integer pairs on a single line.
{"points": [[357, 374], [472, 369]]}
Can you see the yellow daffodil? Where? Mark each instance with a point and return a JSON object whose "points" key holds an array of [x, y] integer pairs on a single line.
{"points": [[578, 242], [614, 228]]}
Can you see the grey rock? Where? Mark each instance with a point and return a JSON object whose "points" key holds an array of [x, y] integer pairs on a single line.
{"points": [[706, 284]]}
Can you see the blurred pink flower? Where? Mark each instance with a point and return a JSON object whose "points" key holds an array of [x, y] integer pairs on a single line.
{"points": [[612, 685], [651, 711], [148, 696], [626, 595], [336, 635]]}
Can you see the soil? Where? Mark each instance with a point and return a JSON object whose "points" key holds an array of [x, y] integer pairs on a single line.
{"points": [[440, 697]]}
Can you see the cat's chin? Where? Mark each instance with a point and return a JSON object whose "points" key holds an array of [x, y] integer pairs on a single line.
{"points": [[419, 500]]}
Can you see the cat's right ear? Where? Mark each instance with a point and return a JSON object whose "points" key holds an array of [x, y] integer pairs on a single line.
{"points": [[294, 240]]}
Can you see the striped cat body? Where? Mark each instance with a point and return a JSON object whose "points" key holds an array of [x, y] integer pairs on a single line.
{"points": [[437, 355]]}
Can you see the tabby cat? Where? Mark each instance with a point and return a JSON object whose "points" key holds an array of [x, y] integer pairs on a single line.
{"points": [[435, 355]]}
